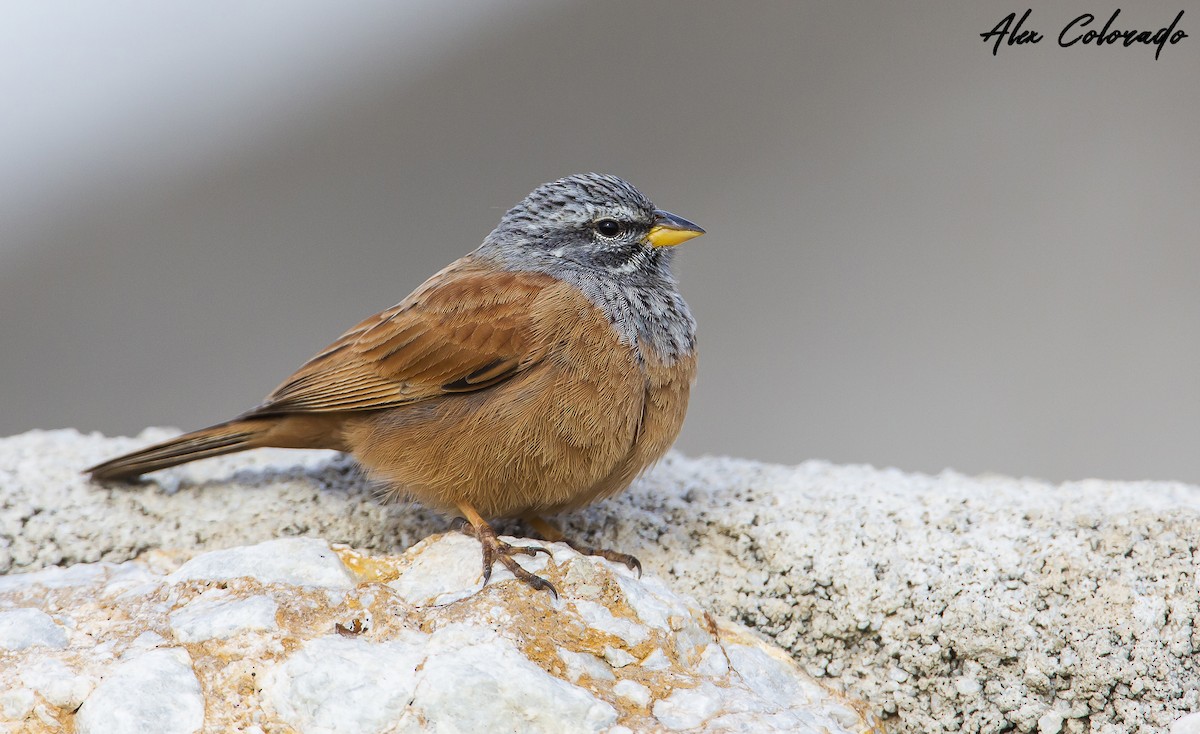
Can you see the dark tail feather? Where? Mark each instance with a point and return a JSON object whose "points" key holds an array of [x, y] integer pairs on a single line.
{"points": [[225, 438]]}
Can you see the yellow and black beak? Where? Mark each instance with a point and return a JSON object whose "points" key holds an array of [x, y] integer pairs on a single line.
{"points": [[670, 230]]}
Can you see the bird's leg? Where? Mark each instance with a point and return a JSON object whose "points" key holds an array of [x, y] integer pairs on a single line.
{"points": [[552, 534], [495, 549]]}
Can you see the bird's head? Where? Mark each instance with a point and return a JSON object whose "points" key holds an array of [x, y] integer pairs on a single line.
{"points": [[592, 220]]}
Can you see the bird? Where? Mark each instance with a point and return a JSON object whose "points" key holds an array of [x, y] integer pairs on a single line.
{"points": [[541, 372]]}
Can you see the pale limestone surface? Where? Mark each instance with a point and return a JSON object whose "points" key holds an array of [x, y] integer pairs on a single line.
{"points": [[950, 603], [153, 645]]}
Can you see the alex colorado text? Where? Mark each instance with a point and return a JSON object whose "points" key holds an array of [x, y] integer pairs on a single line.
{"points": [[1083, 31]]}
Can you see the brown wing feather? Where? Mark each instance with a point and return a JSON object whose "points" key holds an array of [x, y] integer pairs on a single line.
{"points": [[466, 328]]}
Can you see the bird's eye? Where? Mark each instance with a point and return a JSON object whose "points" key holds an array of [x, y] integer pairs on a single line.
{"points": [[609, 227]]}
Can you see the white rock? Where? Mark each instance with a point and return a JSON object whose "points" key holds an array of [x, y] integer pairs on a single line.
{"points": [[335, 685], [767, 675], [16, 703], [1189, 724], [22, 628], [632, 691], [365, 659], [217, 617], [154, 691], [148, 640], [1050, 722], [580, 664], [600, 618], [1150, 613], [617, 657], [129, 580], [449, 576], [502, 686], [54, 577], [648, 600], [57, 683], [967, 685], [656, 660], [296, 561], [688, 708], [713, 661]]}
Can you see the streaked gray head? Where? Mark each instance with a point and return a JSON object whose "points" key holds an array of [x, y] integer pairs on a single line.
{"points": [[601, 234], [591, 220]]}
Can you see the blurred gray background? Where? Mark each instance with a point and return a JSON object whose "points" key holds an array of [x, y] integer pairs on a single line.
{"points": [[919, 254]]}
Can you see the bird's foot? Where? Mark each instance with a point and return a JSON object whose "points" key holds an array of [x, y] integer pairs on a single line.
{"points": [[495, 550], [551, 533], [615, 556]]}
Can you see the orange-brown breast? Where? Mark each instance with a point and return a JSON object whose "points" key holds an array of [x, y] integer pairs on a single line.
{"points": [[666, 391], [578, 425]]}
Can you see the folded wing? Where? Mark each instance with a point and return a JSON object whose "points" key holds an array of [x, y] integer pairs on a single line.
{"points": [[465, 329]]}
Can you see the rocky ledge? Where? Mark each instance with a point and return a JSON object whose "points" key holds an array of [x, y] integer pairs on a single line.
{"points": [[296, 633], [947, 603]]}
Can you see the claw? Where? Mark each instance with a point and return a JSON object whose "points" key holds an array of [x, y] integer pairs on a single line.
{"points": [[537, 582], [530, 550], [495, 549]]}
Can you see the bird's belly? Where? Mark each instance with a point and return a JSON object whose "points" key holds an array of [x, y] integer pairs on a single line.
{"points": [[546, 439]]}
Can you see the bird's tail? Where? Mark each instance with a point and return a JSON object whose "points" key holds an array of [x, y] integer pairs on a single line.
{"points": [[223, 438]]}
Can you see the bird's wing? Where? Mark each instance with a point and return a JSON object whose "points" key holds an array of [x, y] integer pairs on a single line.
{"points": [[465, 329]]}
